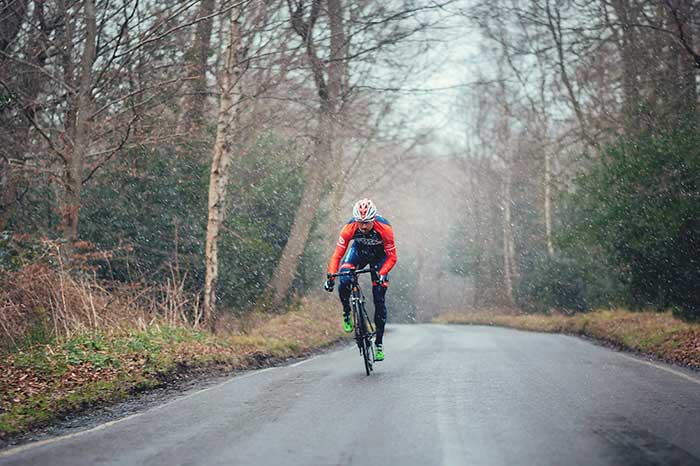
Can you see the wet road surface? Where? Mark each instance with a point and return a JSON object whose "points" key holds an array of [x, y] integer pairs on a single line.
{"points": [[446, 395]]}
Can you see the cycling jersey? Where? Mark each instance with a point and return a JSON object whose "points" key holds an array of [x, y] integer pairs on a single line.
{"points": [[376, 245]]}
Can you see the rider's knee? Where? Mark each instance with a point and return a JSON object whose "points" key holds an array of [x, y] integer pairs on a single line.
{"points": [[378, 293]]}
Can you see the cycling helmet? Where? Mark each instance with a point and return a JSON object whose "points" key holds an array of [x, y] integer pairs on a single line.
{"points": [[364, 210]]}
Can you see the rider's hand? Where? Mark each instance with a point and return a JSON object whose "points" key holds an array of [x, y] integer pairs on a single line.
{"points": [[330, 283], [383, 280]]}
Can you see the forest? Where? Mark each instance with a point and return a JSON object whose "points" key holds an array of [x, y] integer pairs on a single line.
{"points": [[194, 160]]}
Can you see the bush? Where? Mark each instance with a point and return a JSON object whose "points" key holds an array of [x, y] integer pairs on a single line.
{"points": [[640, 204], [151, 209], [568, 283]]}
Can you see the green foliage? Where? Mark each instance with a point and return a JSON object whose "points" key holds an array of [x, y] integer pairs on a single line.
{"points": [[264, 192], [151, 209], [579, 283], [640, 205], [92, 348], [19, 250], [35, 211]]}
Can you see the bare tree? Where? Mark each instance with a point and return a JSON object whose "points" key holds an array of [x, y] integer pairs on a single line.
{"points": [[194, 100], [80, 104], [355, 33], [328, 83], [228, 120]]}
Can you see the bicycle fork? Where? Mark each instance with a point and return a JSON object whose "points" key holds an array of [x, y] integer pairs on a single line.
{"points": [[356, 301]]}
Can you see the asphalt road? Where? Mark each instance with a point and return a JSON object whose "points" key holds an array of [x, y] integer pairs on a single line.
{"points": [[449, 395]]}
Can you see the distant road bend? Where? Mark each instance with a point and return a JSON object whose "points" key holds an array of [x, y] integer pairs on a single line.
{"points": [[446, 395]]}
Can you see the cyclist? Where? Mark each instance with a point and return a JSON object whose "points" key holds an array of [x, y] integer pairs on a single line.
{"points": [[372, 243]]}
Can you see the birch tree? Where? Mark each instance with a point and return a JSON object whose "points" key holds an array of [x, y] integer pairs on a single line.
{"points": [[227, 121]]}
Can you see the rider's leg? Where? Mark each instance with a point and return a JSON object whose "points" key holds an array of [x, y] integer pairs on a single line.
{"points": [[344, 288], [351, 261], [379, 293]]}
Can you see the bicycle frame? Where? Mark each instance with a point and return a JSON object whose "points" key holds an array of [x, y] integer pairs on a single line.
{"points": [[364, 330]]}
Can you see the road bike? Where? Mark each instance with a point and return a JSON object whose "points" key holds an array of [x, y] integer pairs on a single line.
{"points": [[364, 330]]}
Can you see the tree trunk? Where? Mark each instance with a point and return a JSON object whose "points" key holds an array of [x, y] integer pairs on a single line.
{"points": [[337, 76], [479, 245], [323, 147], [79, 128], [8, 186], [12, 16], [504, 143], [227, 124], [294, 249], [683, 85], [30, 81], [194, 101], [509, 272], [548, 201], [630, 57], [554, 21]]}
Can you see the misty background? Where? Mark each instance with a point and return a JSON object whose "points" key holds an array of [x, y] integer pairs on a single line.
{"points": [[534, 155]]}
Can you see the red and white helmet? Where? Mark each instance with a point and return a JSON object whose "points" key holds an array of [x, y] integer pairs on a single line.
{"points": [[364, 210]]}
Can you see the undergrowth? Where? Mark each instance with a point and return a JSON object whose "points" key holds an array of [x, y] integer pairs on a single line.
{"points": [[43, 381], [660, 334]]}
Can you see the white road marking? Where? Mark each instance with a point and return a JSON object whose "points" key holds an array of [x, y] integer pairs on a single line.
{"points": [[13, 451], [296, 364], [663, 368]]}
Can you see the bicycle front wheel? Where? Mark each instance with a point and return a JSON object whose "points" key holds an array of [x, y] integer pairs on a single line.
{"points": [[369, 361], [366, 342]]}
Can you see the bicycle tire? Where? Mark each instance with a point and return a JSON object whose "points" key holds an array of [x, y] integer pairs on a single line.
{"points": [[366, 341], [370, 351], [368, 338], [356, 327]]}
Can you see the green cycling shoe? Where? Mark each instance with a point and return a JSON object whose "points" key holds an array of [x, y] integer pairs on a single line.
{"points": [[379, 353], [347, 323]]}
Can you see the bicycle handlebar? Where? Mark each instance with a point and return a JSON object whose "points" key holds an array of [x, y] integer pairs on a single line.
{"points": [[351, 272]]}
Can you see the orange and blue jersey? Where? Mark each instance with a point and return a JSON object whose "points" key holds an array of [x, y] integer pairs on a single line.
{"points": [[376, 247]]}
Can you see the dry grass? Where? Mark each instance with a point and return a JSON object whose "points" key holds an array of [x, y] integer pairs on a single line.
{"points": [[42, 303], [43, 381], [658, 334]]}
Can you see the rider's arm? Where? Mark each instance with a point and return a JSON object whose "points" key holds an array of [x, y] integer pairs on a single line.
{"points": [[387, 234], [341, 246]]}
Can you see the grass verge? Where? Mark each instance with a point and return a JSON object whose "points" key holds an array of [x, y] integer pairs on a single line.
{"points": [[43, 382], [657, 334]]}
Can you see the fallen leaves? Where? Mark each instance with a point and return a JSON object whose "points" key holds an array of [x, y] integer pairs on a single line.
{"points": [[50, 380]]}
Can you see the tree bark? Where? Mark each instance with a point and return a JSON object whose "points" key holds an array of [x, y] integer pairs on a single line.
{"points": [[78, 129], [627, 42], [12, 16], [327, 90], [194, 101], [509, 264], [548, 201], [294, 249], [554, 26], [227, 124], [682, 83], [16, 134]]}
